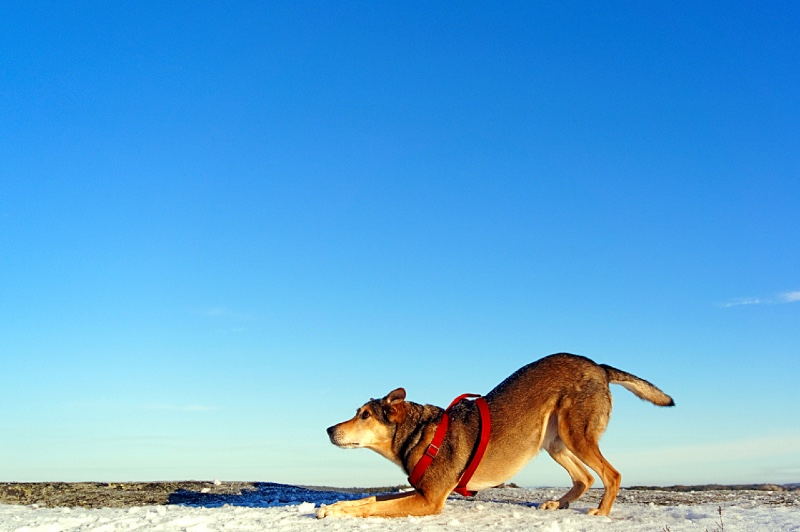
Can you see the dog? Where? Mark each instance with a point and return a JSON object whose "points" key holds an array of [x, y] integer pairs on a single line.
{"points": [[561, 403]]}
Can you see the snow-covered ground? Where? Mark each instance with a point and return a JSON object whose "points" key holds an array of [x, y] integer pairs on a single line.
{"points": [[290, 508]]}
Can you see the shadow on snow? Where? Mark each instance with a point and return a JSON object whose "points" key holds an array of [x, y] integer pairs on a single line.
{"points": [[263, 495]]}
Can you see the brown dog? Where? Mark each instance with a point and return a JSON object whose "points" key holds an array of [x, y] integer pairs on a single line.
{"points": [[560, 403]]}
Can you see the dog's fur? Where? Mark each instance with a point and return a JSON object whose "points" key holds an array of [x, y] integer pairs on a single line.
{"points": [[560, 403]]}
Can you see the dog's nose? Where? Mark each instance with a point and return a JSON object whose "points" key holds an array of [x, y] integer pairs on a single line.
{"points": [[330, 431]]}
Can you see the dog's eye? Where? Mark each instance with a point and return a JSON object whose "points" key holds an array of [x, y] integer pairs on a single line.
{"points": [[365, 414]]}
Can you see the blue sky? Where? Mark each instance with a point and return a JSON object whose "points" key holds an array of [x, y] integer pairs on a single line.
{"points": [[225, 225]]}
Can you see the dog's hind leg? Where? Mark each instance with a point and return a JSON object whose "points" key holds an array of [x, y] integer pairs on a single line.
{"points": [[581, 478], [580, 432], [588, 452], [591, 456]]}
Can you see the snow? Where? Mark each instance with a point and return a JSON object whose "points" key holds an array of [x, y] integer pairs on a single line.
{"points": [[291, 509]]}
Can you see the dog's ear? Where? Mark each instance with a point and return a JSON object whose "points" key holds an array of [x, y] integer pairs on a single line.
{"points": [[395, 396], [396, 407]]}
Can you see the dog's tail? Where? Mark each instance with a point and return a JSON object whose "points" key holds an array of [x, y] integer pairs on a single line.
{"points": [[639, 387]]}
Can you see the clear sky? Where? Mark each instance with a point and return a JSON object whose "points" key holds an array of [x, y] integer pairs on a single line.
{"points": [[224, 226]]}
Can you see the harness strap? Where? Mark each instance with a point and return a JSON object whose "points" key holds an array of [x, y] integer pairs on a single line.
{"points": [[433, 448], [486, 427]]}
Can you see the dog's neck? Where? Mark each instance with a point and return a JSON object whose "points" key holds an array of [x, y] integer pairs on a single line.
{"points": [[413, 434]]}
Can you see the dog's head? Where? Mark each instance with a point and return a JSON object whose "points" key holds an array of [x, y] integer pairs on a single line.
{"points": [[374, 424]]}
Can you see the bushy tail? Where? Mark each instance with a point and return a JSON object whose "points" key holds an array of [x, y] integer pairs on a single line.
{"points": [[640, 387]]}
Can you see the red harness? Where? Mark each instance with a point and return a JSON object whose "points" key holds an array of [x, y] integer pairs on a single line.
{"points": [[438, 437]]}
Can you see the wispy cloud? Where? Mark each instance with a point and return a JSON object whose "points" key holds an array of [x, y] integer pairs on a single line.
{"points": [[742, 301], [785, 297], [790, 297]]}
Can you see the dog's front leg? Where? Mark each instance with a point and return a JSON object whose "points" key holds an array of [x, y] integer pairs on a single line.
{"points": [[343, 508], [393, 505]]}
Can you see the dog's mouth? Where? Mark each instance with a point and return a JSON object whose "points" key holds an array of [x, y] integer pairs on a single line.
{"points": [[340, 441], [344, 444]]}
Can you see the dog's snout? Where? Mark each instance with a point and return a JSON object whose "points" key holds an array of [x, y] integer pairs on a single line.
{"points": [[330, 430]]}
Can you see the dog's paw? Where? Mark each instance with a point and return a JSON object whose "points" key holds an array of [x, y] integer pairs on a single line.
{"points": [[334, 510], [596, 511], [550, 505]]}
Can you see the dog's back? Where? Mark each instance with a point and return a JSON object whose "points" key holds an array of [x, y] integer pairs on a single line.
{"points": [[565, 377]]}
